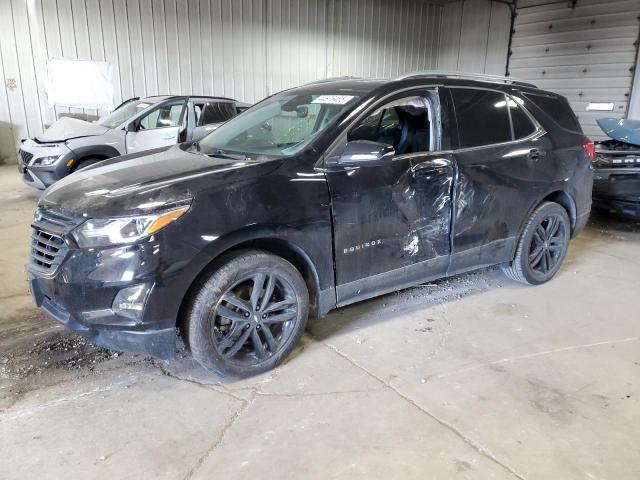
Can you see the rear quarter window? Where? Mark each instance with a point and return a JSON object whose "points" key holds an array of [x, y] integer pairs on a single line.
{"points": [[558, 109], [522, 124]]}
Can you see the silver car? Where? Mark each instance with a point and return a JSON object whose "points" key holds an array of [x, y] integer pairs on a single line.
{"points": [[136, 125]]}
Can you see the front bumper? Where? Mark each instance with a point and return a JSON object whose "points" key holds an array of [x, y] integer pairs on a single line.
{"points": [[39, 176], [159, 343], [617, 189], [78, 287]]}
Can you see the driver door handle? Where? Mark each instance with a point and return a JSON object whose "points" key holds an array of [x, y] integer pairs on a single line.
{"points": [[430, 167]]}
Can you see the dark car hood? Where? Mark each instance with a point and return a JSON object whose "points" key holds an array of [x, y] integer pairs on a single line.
{"points": [[623, 130], [143, 182], [67, 128]]}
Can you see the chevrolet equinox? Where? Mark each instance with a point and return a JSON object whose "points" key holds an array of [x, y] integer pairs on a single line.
{"points": [[315, 198]]}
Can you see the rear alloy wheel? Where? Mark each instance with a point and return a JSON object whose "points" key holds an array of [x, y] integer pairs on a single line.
{"points": [[248, 315], [542, 247]]}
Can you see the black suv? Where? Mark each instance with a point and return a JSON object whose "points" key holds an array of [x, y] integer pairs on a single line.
{"points": [[315, 198]]}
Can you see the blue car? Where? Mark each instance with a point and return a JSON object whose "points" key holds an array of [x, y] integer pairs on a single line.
{"points": [[616, 180]]}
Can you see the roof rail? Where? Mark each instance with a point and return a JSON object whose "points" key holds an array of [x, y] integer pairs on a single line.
{"points": [[463, 75], [331, 79]]}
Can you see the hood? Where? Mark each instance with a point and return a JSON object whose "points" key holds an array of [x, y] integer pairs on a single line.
{"points": [[623, 130], [143, 182], [67, 128]]}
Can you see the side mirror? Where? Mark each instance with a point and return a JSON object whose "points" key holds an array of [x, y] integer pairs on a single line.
{"points": [[364, 153], [131, 127]]}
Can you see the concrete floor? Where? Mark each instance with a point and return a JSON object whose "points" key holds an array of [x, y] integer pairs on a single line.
{"points": [[474, 377]]}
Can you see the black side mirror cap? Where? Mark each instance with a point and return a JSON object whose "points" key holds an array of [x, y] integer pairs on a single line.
{"points": [[131, 127], [364, 153]]}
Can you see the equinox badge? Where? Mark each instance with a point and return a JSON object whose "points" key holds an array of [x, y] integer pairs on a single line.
{"points": [[362, 246]]}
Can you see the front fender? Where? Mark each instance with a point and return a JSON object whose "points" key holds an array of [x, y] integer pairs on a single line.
{"points": [[300, 240]]}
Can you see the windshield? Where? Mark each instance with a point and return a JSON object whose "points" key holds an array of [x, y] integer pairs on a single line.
{"points": [[281, 125], [124, 113]]}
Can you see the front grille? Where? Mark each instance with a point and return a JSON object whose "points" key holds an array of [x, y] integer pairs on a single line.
{"points": [[55, 220], [48, 248], [26, 156]]}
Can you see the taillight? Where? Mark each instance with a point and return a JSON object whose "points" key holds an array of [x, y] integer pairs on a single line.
{"points": [[590, 149]]}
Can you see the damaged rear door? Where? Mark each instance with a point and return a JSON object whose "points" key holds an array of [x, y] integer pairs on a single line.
{"points": [[505, 167], [392, 220]]}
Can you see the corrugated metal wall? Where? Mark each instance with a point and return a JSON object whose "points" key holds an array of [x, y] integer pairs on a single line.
{"points": [[474, 37], [379, 38], [243, 49], [586, 53]]}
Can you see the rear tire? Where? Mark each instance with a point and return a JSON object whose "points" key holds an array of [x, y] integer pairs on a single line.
{"points": [[248, 315], [542, 247]]}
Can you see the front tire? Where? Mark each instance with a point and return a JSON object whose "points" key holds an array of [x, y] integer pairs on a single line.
{"points": [[248, 315], [542, 247], [87, 162]]}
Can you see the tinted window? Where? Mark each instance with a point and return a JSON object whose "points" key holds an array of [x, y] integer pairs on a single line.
{"points": [[213, 112], [522, 124], [482, 116], [558, 109], [405, 124]]}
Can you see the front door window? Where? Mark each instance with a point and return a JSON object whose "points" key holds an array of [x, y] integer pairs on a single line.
{"points": [[159, 128], [406, 124]]}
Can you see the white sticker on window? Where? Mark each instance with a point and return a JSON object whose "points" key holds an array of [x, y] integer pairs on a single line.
{"points": [[333, 99]]}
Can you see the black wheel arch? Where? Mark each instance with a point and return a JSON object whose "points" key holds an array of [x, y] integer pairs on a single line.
{"points": [[562, 198], [100, 152], [566, 201], [275, 245]]}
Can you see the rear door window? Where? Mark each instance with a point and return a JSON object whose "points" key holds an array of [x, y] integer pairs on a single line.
{"points": [[208, 113], [483, 117]]}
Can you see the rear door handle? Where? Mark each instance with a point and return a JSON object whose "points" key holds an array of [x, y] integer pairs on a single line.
{"points": [[536, 154]]}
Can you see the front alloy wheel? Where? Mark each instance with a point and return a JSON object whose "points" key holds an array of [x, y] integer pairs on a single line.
{"points": [[254, 318], [248, 315]]}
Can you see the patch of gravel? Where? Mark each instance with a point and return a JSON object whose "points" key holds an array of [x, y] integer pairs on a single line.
{"points": [[62, 351], [446, 289]]}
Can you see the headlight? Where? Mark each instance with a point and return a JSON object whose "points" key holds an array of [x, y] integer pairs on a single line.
{"points": [[45, 161], [123, 230]]}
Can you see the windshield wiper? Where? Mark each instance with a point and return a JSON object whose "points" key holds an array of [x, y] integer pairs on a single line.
{"points": [[224, 154]]}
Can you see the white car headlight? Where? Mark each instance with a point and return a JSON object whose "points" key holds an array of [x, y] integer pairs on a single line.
{"points": [[123, 230], [45, 161]]}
